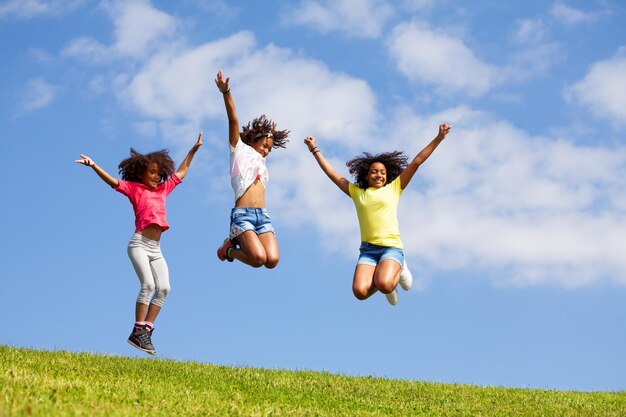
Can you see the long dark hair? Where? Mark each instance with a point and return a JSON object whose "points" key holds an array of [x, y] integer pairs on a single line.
{"points": [[133, 167], [359, 166]]}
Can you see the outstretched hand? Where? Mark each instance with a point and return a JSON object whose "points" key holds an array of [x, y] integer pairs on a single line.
{"points": [[444, 129], [309, 141], [87, 161], [222, 83], [198, 142]]}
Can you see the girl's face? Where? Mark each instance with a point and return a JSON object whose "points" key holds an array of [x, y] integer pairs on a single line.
{"points": [[377, 175], [263, 146], [151, 176]]}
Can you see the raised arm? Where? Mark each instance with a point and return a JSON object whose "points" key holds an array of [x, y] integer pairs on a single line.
{"points": [[184, 166], [328, 169], [233, 121], [409, 171], [87, 161]]}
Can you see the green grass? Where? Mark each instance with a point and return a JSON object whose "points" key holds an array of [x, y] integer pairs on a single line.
{"points": [[58, 383]]}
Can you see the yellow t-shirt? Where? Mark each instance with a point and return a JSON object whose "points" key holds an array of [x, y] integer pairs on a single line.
{"points": [[377, 210]]}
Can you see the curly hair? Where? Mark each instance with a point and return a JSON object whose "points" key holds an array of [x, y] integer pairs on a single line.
{"points": [[359, 166], [132, 168], [263, 127]]}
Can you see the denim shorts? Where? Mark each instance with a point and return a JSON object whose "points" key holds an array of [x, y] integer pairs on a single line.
{"points": [[243, 219], [372, 254]]}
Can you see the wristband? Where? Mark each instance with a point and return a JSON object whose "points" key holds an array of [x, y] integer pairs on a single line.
{"points": [[311, 150], [225, 91]]}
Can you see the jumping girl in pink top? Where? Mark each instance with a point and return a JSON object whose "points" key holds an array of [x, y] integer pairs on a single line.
{"points": [[251, 239], [147, 180]]}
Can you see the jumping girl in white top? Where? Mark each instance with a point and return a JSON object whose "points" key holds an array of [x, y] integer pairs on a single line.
{"points": [[251, 239]]}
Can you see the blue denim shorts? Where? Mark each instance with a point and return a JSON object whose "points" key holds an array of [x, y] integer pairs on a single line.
{"points": [[243, 219], [372, 254]]}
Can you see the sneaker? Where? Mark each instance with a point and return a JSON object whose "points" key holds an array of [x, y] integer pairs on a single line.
{"points": [[406, 278], [392, 297], [222, 251], [140, 338]]}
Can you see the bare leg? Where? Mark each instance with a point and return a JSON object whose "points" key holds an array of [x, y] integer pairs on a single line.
{"points": [[387, 275], [153, 312], [146, 313], [363, 281], [251, 251], [141, 310], [268, 240], [256, 250], [368, 279]]}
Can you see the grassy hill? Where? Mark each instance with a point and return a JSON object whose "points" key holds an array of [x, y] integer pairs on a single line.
{"points": [[58, 383]]}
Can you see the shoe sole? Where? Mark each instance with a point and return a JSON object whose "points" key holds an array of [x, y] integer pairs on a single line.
{"points": [[225, 258], [395, 301], [151, 352], [404, 285]]}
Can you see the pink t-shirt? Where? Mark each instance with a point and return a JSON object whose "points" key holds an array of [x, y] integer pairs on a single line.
{"points": [[148, 203]]}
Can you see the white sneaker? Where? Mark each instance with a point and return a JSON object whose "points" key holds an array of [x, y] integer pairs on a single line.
{"points": [[406, 278], [392, 297]]}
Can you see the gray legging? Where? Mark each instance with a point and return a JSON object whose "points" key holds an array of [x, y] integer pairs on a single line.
{"points": [[151, 268]]}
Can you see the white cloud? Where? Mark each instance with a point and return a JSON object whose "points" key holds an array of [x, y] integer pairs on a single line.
{"points": [[176, 85], [531, 61], [427, 56], [355, 18], [603, 89], [38, 94], [27, 9], [498, 199], [146, 128], [571, 16], [529, 31], [139, 28], [87, 48], [523, 210]]}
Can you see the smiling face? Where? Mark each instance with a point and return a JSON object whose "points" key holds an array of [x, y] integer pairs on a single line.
{"points": [[377, 175], [151, 176], [263, 146]]}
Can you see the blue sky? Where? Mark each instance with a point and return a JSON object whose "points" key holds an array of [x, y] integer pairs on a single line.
{"points": [[515, 229]]}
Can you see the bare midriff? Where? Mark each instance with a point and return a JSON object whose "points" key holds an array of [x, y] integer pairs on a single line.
{"points": [[254, 196], [152, 232]]}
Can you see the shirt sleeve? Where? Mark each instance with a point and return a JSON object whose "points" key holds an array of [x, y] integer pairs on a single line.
{"points": [[239, 143], [123, 187], [351, 189], [396, 186], [171, 183]]}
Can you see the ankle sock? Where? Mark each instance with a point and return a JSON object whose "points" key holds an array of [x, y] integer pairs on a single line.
{"points": [[149, 325]]}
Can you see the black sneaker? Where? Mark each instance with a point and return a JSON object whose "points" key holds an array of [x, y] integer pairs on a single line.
{"points": [[140, 338]]}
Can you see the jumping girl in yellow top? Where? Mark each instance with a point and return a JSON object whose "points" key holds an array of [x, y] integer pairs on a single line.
{"points": [[379, 182]]}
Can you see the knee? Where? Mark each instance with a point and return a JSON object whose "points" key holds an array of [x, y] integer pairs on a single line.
{"points": [[271, 263], [147, 288], [145, 293], [257, 260], [386, 287], [162, 292], [359, 292], [160, 295]]}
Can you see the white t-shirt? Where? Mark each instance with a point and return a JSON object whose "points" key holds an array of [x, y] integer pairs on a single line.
{"points": [[246, 165]]}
